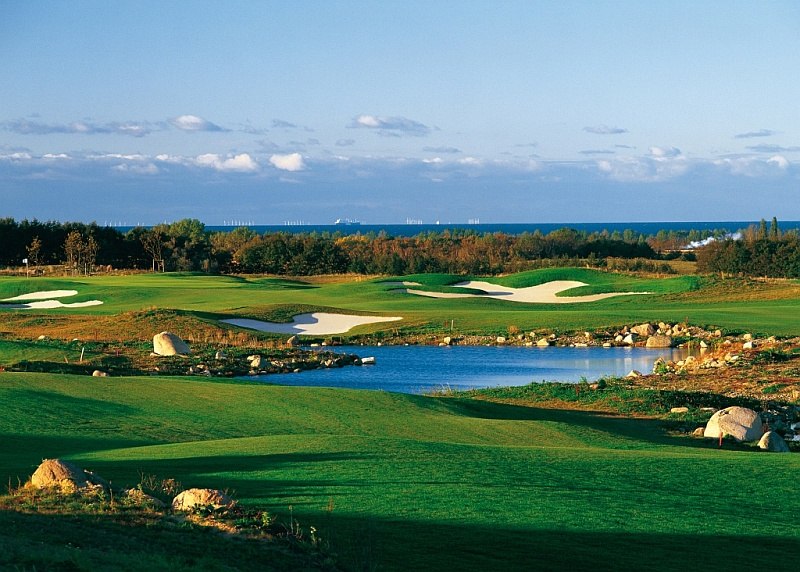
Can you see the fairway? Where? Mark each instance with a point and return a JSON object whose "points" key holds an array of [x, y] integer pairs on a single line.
{"points": [[410, 482], [736, 305]]}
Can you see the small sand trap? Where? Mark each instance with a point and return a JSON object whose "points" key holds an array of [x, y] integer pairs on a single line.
{"points": [[540, 294], [45, 302], [396, 284], [51, 304], [42, 295], [316, 324]]}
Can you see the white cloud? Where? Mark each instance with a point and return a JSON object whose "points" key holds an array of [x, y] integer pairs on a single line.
{"points": [[391, 126], [242, 163], [664, 152], [759, 133], [194, 123], [779, 160], [290, 162]]}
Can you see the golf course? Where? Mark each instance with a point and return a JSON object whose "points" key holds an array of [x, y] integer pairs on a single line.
{"points": [[483, 480]]}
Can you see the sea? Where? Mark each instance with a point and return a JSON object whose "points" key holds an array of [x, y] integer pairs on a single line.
{"points": [[404, 230]]}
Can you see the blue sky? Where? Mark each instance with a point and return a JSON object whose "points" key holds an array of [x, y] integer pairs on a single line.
{"points": [[558, 111]]}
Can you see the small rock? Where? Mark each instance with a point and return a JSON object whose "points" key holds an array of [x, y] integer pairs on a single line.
{"points": [[773, 442], [643, 330], [191, 498], [255, 363], [747, 337], [447, 340], [747, 345], [500, 340], [293, 342], [634, 373], [543, 343], [98, 373], [703, 344], [698, 432], [679, 410], [630, 339], [606, 344], [659, 341], [220, 355]]}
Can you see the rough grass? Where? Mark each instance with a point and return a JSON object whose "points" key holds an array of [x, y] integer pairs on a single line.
{"points": [[410, 482]]}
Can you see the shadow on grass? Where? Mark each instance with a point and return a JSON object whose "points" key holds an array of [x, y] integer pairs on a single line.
{"points": [[98, 542], [642, 429]]}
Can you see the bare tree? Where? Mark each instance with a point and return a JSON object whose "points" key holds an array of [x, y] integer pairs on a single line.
{"points": [[34, 250], [90, 249], [73, 248], [153, 244]]}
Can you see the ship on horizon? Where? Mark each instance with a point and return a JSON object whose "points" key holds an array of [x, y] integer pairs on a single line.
{"points": [[346, 222]]}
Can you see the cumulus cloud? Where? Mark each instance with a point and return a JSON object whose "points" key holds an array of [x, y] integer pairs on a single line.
{"points": [[660, 165], [759, 133], [194, 123], [130, 128], [291, 162], [390, 126], [137, 169], [242, 163], [754, 167], [765, 148], [664, 152], [604, 130]]}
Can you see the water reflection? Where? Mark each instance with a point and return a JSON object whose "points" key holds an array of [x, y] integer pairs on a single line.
{"points": [[422, 369]]}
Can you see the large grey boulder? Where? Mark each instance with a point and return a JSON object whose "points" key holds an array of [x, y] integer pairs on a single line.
{"points": [[65, 476], [773, 442], [191, 498], [659, 341], [168, 344], [741, 423]]}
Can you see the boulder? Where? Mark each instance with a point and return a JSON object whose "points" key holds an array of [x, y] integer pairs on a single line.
{"points": [[63, 475], [255, 362], [630, 339], [98, 373], [191, 498], [747, 345], [168, 344], [741, 423], [293, 342], [659, 341], [543, 342], [699, 432], [643, 330], [771, 441], [447, 340]]}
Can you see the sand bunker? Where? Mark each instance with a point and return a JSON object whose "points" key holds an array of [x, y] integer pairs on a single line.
{"points": [[44, 301], [316, 324], [42, 295], [540, 294]]}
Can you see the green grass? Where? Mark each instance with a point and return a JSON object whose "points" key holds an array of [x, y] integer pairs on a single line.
{"points": [[418, 482], [675, 299]]}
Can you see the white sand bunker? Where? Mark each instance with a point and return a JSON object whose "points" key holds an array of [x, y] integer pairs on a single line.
{"points": [[44, 301], [316, 324], [540, 294], [42, 295]]}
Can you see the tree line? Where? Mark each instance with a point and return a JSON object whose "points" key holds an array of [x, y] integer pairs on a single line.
{"points": [[186, 245], [762, 250]]}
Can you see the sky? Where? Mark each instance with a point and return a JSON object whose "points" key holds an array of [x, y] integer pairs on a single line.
{"points": [[383, 111]]}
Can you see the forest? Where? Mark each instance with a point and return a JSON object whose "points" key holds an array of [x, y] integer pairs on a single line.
{"points": [[186, 245]]}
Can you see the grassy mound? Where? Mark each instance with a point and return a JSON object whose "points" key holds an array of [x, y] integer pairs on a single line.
{"points": [[402, 482]]}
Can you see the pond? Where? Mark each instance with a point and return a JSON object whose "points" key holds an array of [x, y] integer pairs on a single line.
{"points": [[425, 369]]}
